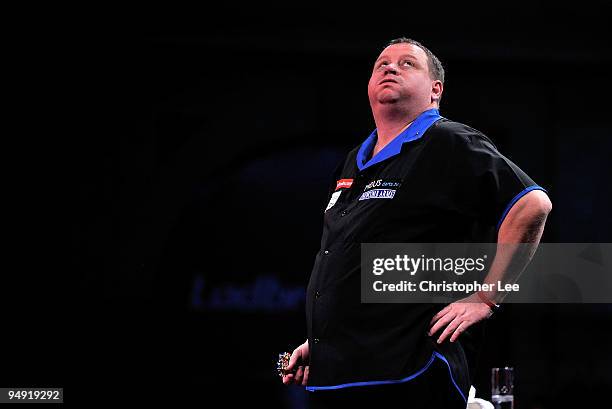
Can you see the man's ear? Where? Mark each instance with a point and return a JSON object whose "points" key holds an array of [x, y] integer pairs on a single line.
{"points": [[436, 90]]}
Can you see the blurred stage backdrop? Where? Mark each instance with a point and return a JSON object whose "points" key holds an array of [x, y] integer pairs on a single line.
{"points": [[200, 206]]}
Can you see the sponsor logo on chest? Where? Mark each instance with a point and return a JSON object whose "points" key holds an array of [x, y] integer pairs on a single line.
{"points": [[344, 184], [380, 189], [340, 185]]}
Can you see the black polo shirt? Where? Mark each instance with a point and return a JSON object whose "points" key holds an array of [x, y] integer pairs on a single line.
{"points": [[438, 182]]}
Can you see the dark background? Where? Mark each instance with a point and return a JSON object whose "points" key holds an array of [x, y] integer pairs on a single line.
{"points": [[199, 176]]}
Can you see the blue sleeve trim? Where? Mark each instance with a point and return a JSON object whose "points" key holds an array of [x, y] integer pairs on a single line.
{"points": [[516, 199], [394, 381]]}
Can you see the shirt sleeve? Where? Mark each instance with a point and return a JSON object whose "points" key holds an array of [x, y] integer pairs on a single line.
{"points": [[487, 183]]}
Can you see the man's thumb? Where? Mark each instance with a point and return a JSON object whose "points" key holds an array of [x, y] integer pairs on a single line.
{"points": [[294, 358]]}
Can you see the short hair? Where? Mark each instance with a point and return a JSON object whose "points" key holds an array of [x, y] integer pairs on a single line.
{"points": [[435, 66]]}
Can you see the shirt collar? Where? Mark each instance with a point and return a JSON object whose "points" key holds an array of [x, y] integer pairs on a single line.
{"points": [[416, 130]]}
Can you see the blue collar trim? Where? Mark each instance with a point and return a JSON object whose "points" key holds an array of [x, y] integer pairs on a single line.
{"points": [[413, 132]]}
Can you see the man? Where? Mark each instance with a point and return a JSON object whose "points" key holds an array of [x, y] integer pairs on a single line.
{"points": [[446, 183]]}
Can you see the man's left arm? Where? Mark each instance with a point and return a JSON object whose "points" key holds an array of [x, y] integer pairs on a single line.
{"points": [[518, 239]]}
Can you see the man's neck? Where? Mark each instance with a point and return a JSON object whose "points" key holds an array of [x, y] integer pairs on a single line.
{"points": [[390, 123]]}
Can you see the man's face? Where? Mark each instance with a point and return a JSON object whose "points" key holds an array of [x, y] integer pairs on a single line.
{"points": [[401, 74]]}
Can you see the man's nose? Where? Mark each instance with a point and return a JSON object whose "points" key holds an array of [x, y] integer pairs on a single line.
{"points": [[390, 69]]}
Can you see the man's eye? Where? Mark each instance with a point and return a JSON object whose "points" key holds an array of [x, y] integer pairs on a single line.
{"points": [[407, 63]]}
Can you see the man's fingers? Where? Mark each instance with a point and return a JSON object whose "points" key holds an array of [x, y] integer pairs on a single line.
{"points": [[441, 322], [462, 327], [305, 379], [294, 363], [298, 375], [440, 314], [449, 330]]}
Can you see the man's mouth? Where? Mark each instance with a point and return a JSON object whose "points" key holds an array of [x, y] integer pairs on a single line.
{"points": [[387, 80]]}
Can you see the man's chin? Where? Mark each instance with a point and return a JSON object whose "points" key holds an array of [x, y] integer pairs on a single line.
{"points": [[388, 96], [388, 99]]}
